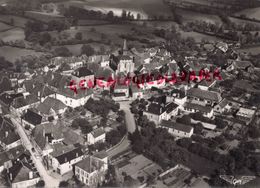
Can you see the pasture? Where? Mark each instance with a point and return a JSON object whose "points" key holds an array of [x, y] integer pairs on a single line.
{"points": [[253, 50], [252, 13], [8, 52], [199, 36], [18, 21], [4, 27], [12, 35], [243, 22]]}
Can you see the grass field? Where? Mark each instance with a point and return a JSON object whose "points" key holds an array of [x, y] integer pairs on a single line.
{"points": [[253, 13], [199, 36], [147, 8], [4, 26], [242, 22], [18, 21], [253, 50], [8, 52], [12, 35], [193, 16]]}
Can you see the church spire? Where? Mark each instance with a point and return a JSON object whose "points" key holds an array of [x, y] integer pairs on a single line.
{"points": [[125, 48]]}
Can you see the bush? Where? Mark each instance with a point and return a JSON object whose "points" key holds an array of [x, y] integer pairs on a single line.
{"points": [[40, 183]]}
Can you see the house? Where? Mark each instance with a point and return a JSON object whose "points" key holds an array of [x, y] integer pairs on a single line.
{"points": [[222, 46], [223, 106], [245, 114], [46, 135], [239, 65], [51, 107], [103, 77], [178, 129], [21, 104], [91, 171], [64, 161], [157, 112], [4, 161], [207, 111], [205, 85], [7, 99], [121, 92], [22, 174], [136, 93], [102, 60], [83, 73], [203, 97], [31, 118], [8, 137], [178, 96], [42, 91], [97, 135]]}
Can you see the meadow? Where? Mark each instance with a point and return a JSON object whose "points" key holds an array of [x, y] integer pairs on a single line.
{"points": [[8, 52], [253, 13], [18, 21], [12, 35], [4, 27]]}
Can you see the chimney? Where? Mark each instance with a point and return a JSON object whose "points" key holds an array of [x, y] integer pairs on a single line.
{"points": [[52, 77], [39, 94], [6, 134], [43, 133], [11, 176], [30, 175]]}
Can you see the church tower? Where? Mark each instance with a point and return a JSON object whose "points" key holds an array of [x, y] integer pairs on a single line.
{"points": [[124, 50]]}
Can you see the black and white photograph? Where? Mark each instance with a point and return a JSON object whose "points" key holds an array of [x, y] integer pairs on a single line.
{"points": [[129, 93]]}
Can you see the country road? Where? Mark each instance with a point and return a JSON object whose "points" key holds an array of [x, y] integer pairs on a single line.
{"points": [[130, 126], [49, 180]]}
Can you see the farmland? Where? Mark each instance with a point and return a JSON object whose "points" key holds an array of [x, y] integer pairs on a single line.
{"points": [[242, 22], [199, 37], [253, 13], [12, 35], [146, 8], [18, 21], [4, 27], [8, 53], [253, 50]]}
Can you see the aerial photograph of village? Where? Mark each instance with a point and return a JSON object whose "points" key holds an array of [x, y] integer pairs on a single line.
{"points": [[129, 93]]}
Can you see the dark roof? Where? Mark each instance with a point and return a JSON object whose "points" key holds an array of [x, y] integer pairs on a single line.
{"points": [[101, 155], [170, 107], [125, 57], [8, 98], [24, 101], [98, 132], [119, 94], [198, 107], [7, 132], [156, 109], [90, 164], [208, 95], [68, 156], [158, 99], [177, 126], [32, 117], [82, 72], [51, 103]]}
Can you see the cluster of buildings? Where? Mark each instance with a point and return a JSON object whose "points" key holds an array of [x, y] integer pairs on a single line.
{"points": [[39, 98]]}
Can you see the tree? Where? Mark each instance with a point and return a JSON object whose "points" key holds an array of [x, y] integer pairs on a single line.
{"points": [[40, 183], [110, 15], [254, 132], [88, 50], [138, 16], [124, 15], [78, 36], [62, 51], [44, 38], [63, 184]]}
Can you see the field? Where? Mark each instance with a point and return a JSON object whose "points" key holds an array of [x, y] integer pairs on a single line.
{"points": [[242, 22], [146, 8], [12, 35], [253, 13], [4, 27], [18, 21], [253, 50], [193, 16], [8, 52], [199, 36], [76, 48]]}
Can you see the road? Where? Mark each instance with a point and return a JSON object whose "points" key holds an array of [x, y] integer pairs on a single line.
{"points": [[49, 180], [129, 117], [130, 125]]}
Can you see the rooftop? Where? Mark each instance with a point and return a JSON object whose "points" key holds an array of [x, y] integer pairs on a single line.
{"points": [[198, 107], [177, 126], [90, 164], [32, 117], [208, 95]]}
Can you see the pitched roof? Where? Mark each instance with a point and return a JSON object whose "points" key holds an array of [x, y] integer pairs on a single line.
{"points": [[24, 101], [242, 64], [97, 132], [156, 109], [198, 107], [68, 156], [82, 72], [90, 164], [51, 103], [177, 126], [8, 98], [208, 95], [32, 117], [50, 130], [101, 155], [7, 132], [170, 107]]}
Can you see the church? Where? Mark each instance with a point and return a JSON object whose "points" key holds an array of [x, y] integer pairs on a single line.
{"points": [[124, 62]]}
